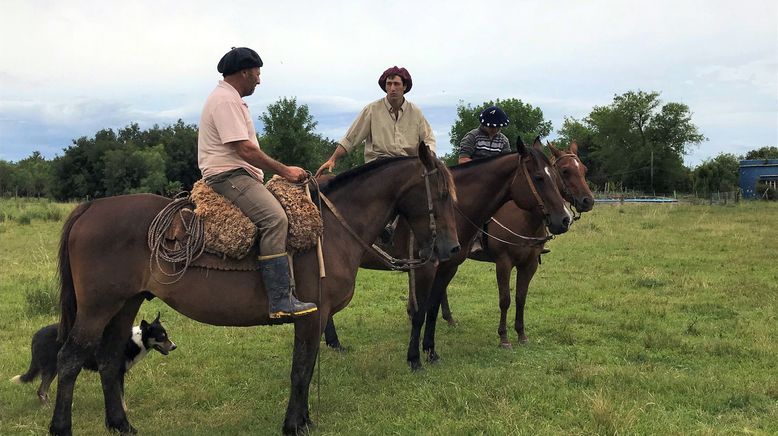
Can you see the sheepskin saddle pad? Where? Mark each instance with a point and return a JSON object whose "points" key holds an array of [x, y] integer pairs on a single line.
{"points": [[229, 232]]}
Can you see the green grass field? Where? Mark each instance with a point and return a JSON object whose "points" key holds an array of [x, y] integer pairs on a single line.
{"points": [[644, 319]]}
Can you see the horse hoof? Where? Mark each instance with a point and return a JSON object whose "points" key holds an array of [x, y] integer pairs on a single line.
{"points": [[338, 348], [452, 322], [62, 432], [124, 429], [523, 340], [415, 365], [506, 345], [432, 357]]}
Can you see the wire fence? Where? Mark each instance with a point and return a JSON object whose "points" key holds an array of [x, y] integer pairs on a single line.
{"points": [[634, 196]]}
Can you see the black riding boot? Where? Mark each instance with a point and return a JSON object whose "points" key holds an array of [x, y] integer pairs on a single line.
{"points": [[275, 276]]}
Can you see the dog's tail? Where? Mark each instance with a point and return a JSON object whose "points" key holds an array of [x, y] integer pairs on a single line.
{"points": [[67, 292], [26, 377]]}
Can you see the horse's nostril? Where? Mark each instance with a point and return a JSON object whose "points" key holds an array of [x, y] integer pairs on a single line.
{"points": [[566, 222], [455, 249]]}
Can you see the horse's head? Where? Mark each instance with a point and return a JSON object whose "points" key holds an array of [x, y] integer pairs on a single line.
{"points": [[535, 172], [573, 176], [428, 207]]}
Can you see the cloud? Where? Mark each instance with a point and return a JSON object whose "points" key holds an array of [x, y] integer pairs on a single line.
{"points": [[759, 74]]}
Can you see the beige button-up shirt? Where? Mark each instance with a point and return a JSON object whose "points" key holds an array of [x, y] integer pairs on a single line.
{"points": [[387, 134]]}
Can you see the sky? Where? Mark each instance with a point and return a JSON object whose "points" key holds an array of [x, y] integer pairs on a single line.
{"points": [[71, 68]]}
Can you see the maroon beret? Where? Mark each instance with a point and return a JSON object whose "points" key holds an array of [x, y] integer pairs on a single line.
{"points": [[396, 71]]}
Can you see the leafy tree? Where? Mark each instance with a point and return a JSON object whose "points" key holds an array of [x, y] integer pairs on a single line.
{"points": [[719, 174], [7, 177], [763, 153], [180, 151], [32, 175], [80, 171], [289, 135], [132, 169], [525, 120], [638, 142], [575, 130]]}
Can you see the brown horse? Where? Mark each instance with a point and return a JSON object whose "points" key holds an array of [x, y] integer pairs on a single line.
{"points": [[508, 250], [482, 187], [105, 275]]}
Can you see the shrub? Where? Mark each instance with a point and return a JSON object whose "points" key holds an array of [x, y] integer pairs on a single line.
{"points": [[41, 298]]}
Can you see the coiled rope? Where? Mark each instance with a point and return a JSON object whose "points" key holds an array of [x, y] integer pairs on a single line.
{"points": [[191, 248]]}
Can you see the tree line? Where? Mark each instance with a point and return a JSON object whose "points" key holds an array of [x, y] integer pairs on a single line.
{"points": [[637, 142]]}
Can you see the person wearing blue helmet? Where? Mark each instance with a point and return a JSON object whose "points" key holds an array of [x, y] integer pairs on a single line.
{"points": [[486, 140]]}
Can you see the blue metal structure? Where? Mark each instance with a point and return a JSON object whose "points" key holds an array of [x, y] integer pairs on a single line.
{"points": [[755, 171]]}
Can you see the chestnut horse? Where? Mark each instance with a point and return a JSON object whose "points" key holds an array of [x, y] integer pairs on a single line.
{"points": [[508, 250], [482, 187], [106, 275]]}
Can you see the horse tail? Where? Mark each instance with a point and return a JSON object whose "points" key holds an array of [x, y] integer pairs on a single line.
{"points": [[67, 292]]}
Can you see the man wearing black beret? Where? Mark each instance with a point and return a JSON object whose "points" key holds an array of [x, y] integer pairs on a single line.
{"points": [[231, 162]]}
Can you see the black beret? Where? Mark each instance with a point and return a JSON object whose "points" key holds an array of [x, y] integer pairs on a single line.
{"points": [[237, 59], [493, 117], [396, 71]]}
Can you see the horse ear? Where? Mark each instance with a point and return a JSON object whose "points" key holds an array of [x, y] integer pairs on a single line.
{"points": [[537, 143], [425, 155], [555, 151], [574, 147], [157, 318], [520, 147], [143, 324]]}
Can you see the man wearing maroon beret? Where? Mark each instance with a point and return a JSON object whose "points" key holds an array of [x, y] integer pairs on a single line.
{"points": [[391, 126]]}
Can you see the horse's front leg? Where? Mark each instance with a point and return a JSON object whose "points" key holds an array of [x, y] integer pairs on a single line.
{"points": [[307, 334], [422, 284], [524, 274], [503, 272], [111, 364], [443, 277]]}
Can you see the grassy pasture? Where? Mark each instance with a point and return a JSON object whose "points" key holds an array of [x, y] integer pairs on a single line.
{"points": [[644, 319]]}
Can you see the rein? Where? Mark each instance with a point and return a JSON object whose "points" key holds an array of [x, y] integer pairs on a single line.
{"points": [[534, 190], [392, 262], [530, 240]]}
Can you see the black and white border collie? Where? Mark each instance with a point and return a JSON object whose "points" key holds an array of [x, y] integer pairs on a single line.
{"points": [[145, 337]]}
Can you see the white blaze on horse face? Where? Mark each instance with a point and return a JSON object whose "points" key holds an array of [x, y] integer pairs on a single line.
{"points": [[548, 173], [576, 164]]}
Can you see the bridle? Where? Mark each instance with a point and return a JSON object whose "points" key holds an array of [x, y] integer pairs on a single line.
{"points": [[533, 188], [565, 189], [392, 262], [528, 240]]}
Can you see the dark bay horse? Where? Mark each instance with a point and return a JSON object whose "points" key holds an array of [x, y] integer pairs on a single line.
{"points": [[483, 186], [105, 275], [511, 222]]}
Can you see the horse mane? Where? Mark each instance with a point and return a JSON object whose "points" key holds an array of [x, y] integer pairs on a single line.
{"points": [[536, 154], [356, 172], [477, 162]]}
